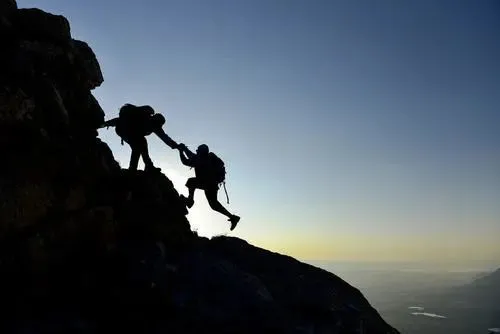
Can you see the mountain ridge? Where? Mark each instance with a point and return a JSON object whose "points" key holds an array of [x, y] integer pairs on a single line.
{"points": [[89, 247]]}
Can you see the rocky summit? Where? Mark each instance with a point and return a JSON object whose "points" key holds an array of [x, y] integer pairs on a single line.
{"points": [[88, 247]]}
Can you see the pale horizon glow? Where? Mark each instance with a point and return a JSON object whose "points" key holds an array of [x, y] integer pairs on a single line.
{"points": [[352, 130]]}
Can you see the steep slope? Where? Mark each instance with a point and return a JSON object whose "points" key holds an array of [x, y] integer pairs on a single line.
{"points": [[87, 247], [468, 308], [482, 293], [479, 299], [489, 281]]}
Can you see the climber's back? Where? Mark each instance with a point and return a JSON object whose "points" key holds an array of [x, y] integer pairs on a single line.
{"points": [[138, 121]]}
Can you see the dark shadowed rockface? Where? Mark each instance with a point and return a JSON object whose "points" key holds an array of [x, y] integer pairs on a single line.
{"points": [[87, 247]]}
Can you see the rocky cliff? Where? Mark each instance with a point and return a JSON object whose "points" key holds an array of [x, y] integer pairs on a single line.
{"points": [[87, 247]]}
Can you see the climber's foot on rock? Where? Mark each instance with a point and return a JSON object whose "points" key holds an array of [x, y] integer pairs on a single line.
{"points": [[189, 203], [234, 221], [151, 168]]}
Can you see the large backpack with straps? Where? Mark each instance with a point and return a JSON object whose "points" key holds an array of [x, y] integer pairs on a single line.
{"points": [[218, 169], [133, 120]]}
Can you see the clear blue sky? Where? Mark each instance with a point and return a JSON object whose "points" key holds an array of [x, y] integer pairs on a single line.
{"points": [[353, 130]]}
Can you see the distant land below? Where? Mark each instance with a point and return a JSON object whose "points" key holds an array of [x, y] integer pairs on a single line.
{"points": [[478, 266], [427, 298]]}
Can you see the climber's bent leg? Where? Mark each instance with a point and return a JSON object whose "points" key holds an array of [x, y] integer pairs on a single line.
{"points": [[143, 146], [135, 155], [211, 195], [191, 184]]}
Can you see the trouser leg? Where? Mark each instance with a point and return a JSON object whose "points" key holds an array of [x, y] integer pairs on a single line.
{"points": [[134, 158], [143, 147], [211, 194]]}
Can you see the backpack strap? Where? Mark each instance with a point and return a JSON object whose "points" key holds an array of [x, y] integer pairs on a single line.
{"points": [[224, 184]]}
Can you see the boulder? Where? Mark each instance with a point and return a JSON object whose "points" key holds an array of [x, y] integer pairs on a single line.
{"points": [[36, 24], [90, 71], [86, 246], [7, 9], [85, 113], [8, 6], [16, 106]]}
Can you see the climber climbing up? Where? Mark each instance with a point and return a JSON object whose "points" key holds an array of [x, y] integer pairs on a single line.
{"points": [[133, 125], [210, 173]]}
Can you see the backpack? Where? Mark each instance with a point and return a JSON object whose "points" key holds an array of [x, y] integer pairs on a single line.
{"points": [[218, 169], [133, 120]]}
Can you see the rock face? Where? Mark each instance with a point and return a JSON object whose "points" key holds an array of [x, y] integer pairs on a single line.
{"points": [[87, 247]]}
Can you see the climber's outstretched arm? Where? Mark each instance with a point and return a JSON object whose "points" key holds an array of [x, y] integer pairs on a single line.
{"points": [[166, 139], [185, 160], [111, 122], [186, 150]]}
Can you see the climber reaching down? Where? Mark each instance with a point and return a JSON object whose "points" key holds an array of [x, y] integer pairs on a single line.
{"points": [[210, 173], [133, 125]]}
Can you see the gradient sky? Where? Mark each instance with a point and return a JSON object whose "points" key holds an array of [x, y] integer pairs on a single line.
{"points": [[352, 130]]}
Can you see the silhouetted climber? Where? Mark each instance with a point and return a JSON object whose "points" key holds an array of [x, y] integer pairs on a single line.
{"points": [[210, 173], [133, 125]]}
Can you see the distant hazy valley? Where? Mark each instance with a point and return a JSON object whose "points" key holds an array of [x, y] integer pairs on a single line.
{"points": [[428, 301]]}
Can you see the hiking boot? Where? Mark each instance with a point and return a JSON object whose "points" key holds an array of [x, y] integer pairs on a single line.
{"points": [[234, 221], [189, 203], [151, 168]]}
